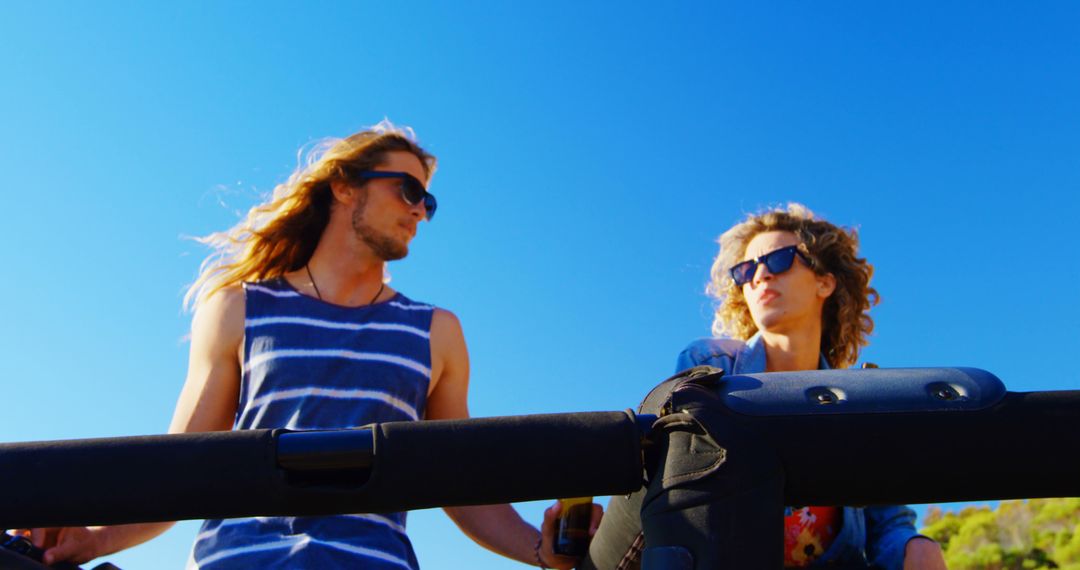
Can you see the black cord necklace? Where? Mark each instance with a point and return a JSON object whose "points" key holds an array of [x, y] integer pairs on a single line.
{"points": [[307, 267]]}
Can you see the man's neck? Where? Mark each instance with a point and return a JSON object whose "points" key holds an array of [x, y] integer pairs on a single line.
{"points": [[346, 279], [797, 350]]}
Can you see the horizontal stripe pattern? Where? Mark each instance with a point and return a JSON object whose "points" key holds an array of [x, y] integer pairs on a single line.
{"points": [[272, 292], [337, 394], [293, 543], [410, 306], [309, 364], [382, 520], [320, 323], [265, 357], [379, 519]]}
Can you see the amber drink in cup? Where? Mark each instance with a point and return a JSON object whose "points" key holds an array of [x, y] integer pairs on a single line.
{"points": [[572, 537]]}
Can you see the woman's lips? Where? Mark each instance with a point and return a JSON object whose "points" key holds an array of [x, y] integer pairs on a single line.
{"points": [[767, 296]]}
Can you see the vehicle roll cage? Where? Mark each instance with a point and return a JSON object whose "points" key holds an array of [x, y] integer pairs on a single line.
{"points": [[710, 449]]}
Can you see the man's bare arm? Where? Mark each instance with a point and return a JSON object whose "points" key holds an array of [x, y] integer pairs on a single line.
{"points": [[498, 528], [206, 403], [209, 398]]}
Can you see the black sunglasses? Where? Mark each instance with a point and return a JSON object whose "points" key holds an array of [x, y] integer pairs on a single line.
{"points": [[778, 261], [412, 190]]}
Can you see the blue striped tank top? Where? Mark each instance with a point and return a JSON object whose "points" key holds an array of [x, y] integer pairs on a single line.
{"points": [[309, 364]]}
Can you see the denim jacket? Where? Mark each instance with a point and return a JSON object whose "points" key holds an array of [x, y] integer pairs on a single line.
{"points": [[870, 535]]}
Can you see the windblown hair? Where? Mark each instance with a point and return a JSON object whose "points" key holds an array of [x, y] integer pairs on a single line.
{"points": [[831, 249], [280, 235]]}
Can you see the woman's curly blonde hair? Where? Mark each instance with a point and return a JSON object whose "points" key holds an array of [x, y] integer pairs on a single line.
{"points": [[831, 249], [280, 235]]}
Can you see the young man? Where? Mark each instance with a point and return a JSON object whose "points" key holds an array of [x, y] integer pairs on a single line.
{"points": [[295, 327]]}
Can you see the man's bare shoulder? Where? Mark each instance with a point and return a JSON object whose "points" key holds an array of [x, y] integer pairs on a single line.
{"points": [[444, 319], [447, 337], [449, 388], [222, 313]]}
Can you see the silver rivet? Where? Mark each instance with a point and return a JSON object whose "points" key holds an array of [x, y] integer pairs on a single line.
{"points": [[823, 396], [943, 391]]}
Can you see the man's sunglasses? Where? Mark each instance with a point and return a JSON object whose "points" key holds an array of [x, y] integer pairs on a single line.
{"points": [[778, 261], [412, 190]]}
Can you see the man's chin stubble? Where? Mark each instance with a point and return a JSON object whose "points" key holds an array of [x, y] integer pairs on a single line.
{"points": [[384, 247]]}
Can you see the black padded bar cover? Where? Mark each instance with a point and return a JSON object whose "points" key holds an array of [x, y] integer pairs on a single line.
{"points": [[487, 460], [887, 436], [1025, 446], [235, 474], [136, 479]]}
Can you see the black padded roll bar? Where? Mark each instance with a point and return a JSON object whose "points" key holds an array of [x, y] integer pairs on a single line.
{"points": [[725, 455], [731, 452], [915, 435], [381, 468]]}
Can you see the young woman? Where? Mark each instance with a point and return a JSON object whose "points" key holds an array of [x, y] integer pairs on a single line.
{"points": [[793, 295]]}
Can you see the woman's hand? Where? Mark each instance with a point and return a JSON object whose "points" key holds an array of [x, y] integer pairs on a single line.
{"points": [[923, 554]]}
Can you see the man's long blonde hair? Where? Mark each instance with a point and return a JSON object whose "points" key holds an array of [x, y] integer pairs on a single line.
{"points": [[280, 235], [831, 249]]}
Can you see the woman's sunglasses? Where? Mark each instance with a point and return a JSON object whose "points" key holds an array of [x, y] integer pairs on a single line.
{"points": [[412, 190], [778, 261]]}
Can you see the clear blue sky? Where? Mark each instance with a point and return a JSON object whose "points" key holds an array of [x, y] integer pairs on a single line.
{"points": [[589, 157]]}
